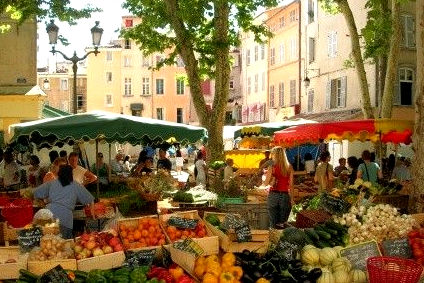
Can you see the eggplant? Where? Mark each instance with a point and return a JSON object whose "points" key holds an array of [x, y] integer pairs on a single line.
{"points": [[247, 279], [314, 274], [295, 263], [257, 275]]}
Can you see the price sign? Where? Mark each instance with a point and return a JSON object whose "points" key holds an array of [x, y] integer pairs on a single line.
{"points": [[243, 233], [397, 247], [289, 250], [139, 258], [56, 274], [358, 254], [183, 223], [29, 238]]}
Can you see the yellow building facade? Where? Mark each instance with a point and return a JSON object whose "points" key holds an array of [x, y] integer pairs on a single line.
{"points": [[20, 97], [283, 62], [120, 79]]}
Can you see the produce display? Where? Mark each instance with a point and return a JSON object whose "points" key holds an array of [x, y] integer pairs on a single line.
{"points": [[144, 232], [96, 244], [51, 247], [379, 222], [416, 241], [215, 269], [176, 234], [329, 234]]}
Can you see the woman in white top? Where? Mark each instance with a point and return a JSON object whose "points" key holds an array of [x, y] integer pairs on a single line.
{"points": [[201, 169], [179, 161]]}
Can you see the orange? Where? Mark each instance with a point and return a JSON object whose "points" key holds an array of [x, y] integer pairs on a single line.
{"points": [[122, 227], [148, 241], [152, 230], [142, 240], [161, 242], [131, 228], [124, 234], [131, 238], [192, 234], [186, 233], [153, 241], [125, 242], [137, 235], [144, 233], [140, 227], [178, 233], [201, 233], [153, 221]]}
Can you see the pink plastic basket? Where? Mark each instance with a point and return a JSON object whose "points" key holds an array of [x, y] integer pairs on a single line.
{"points": [[383, 269], [18, 213]]}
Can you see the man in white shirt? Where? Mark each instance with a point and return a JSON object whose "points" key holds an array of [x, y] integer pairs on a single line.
{"points": [[80, 174], [9, 171], [229, 170]]}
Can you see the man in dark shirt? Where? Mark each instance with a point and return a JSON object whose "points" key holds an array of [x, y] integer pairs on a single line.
{"points": [[163, 162]]}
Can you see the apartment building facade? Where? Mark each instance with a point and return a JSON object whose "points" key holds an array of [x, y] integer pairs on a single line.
{"points": [[121, 79], [283, 62], [329, 86]]}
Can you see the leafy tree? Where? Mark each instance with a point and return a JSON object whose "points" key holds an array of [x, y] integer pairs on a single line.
{"points": [[382, 37], [22, 10], [202, 33]]}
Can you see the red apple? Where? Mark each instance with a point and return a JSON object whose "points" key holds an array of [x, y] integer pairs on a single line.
{"points": [[107, 249], [85, 237], [117, 248], [114, 241], [90, 245]]}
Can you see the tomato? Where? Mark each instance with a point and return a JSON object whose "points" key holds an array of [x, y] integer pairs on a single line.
{"points": [[413, 234], [421, 232], [420, 260], [416, 246], [418, 253]]}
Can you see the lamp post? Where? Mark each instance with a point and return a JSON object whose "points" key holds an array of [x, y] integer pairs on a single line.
{"points": [[96, 33]]}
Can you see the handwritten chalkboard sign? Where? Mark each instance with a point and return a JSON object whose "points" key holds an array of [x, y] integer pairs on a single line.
{"points": [[183, 223], [56, 274], [243, 233], [139, 258], [287, 250], [29, 238], [358, 254], [397, 247]]}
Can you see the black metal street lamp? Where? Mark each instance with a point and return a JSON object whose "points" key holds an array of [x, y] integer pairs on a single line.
{"points": [[96, 32]]}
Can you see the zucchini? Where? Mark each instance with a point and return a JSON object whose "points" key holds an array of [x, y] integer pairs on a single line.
{"points": [[310, 232], [324, 244], [335, 226], [308, 240], [80, 274], [27, 276], [331, 231], [323, 234]]}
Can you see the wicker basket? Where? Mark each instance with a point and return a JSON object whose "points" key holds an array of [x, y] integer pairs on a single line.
{"points": [[103, 262], [309, 218], [393, 270]]}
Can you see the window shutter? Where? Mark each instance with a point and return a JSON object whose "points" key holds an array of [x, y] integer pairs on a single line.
{"points": [[335, 47], [328, 95], [343, 91], [396, 91]]}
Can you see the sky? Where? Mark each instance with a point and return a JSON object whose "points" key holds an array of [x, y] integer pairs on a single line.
{"points": [[79, 35]]}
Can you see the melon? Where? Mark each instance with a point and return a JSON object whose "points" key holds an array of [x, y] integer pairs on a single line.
{"points": [[326, 256], [358, 276], [341, 276], [341, 263], [310, 256], [326, 277]]}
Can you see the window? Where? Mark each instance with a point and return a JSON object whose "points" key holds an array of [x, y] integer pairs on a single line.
{"points": [[281, 94], [127, 87], [146, 62], [311, 49], [127, 44], [311, 14], [180, 62], [180, 115], [108, 55], [293, 15], [80, 101], [231, 84], [248, 57], [127, 61], [282, 53], [159, 86], [332, 44], [272, 56], [159, 113], [408, 31], [310, 101], [293, 48], [336, 93], [256, 82], [146, 86], [128, 23], [180, 86], [263, 81], [404, 95], [282, 22], [271, 96], [262, 51], [256, 53], [108, 100], [292, 92], [249, 86], [63, 84], [108, 77]]}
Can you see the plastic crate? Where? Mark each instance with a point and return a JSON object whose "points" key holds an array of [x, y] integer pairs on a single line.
{"points": [[393, 270], [256, 214]]}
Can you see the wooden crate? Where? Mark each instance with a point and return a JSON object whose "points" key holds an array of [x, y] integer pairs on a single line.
{"points": [[209, 244], [11, 270], [419, 218], [9, 233], [103, 262], [184, 259], [40, 267], [227, 242], [133, 222]]}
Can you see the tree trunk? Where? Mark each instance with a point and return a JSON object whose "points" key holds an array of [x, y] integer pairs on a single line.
{"points": [[357, 57], [392, 63], [212, 120], [382, 67], [418, 137]]}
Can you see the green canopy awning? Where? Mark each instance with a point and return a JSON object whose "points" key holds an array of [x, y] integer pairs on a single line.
{"points": [[268, 129], [107, 126], [51, 112]]}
